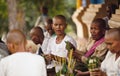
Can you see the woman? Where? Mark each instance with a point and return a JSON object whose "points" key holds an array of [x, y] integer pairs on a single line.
{"points": [[95, 45], [111, 64]]}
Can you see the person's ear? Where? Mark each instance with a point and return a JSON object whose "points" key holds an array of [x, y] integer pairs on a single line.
{"points": [[65, 25], [11, 47]]}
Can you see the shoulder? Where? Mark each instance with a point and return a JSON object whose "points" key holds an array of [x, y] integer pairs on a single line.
{"points": [[70, 39], [53, 38], [109, 54], [37, 56], [5, 60], [67, 37], [23, 56], [102, 46]]}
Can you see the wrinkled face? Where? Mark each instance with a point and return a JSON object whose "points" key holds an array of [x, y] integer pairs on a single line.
{"points": [[59, 26], [112, 44], [36, 37], [96, 32]]}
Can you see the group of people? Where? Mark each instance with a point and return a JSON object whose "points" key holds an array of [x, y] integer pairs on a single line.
{"points": [[104, 44]]}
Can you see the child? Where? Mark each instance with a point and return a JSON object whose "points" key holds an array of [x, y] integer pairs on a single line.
{"points": [[57, 45], [49, 31]]}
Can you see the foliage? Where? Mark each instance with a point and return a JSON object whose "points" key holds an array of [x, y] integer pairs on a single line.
{"points": [[68, 66], [93, 62], [31, 9], [3, 17]]}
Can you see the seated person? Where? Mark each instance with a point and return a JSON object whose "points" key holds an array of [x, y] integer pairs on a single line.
{"points": [[94, 47], [57, 45], [111, 64], [37, 36], [21, 62]]}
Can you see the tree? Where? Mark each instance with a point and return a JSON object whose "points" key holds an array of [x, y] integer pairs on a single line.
{"points": [[12, 14], [3, 17], [27, 11]]}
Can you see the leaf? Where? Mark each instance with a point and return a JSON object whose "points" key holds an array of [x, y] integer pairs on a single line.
{"points": [[64, 69], [69, 46]]}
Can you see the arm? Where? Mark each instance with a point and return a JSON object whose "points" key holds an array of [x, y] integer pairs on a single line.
{"points": [[78, 54], [51, 57], [37, 21], [79, 73], [98, 72]]}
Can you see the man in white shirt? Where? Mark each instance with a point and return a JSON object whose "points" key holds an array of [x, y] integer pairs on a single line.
{"points": [[37, 36], [21, 63]]}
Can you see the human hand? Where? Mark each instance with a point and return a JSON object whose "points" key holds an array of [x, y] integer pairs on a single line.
{"points": [[84, 59], [96, 72], [48, 57], [80, 73], [77, 55]]}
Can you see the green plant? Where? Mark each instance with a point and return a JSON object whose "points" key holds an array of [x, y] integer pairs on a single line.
{"points": [[93, 62]]}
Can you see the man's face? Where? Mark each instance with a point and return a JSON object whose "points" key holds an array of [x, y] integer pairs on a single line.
{"points": [[112, 44], [36, 37], [59, 26]]}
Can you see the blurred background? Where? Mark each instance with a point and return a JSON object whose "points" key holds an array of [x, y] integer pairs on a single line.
{"points": [[22, 14]]}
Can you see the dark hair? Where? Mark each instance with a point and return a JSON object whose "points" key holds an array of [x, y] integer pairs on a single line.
{"points": [[101, 23], [49, 21], [44, 9], [61, 17], [38, 28]]}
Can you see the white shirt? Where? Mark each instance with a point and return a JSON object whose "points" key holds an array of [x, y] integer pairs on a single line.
{"points": [[59, 49], [47, 38], [42, 21], [43, 46], [110, 65], [23, 64]]}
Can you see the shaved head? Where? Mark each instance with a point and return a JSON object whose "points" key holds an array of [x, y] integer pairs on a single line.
{"points": [[37, 35], [16, 36], [113, 33]]}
